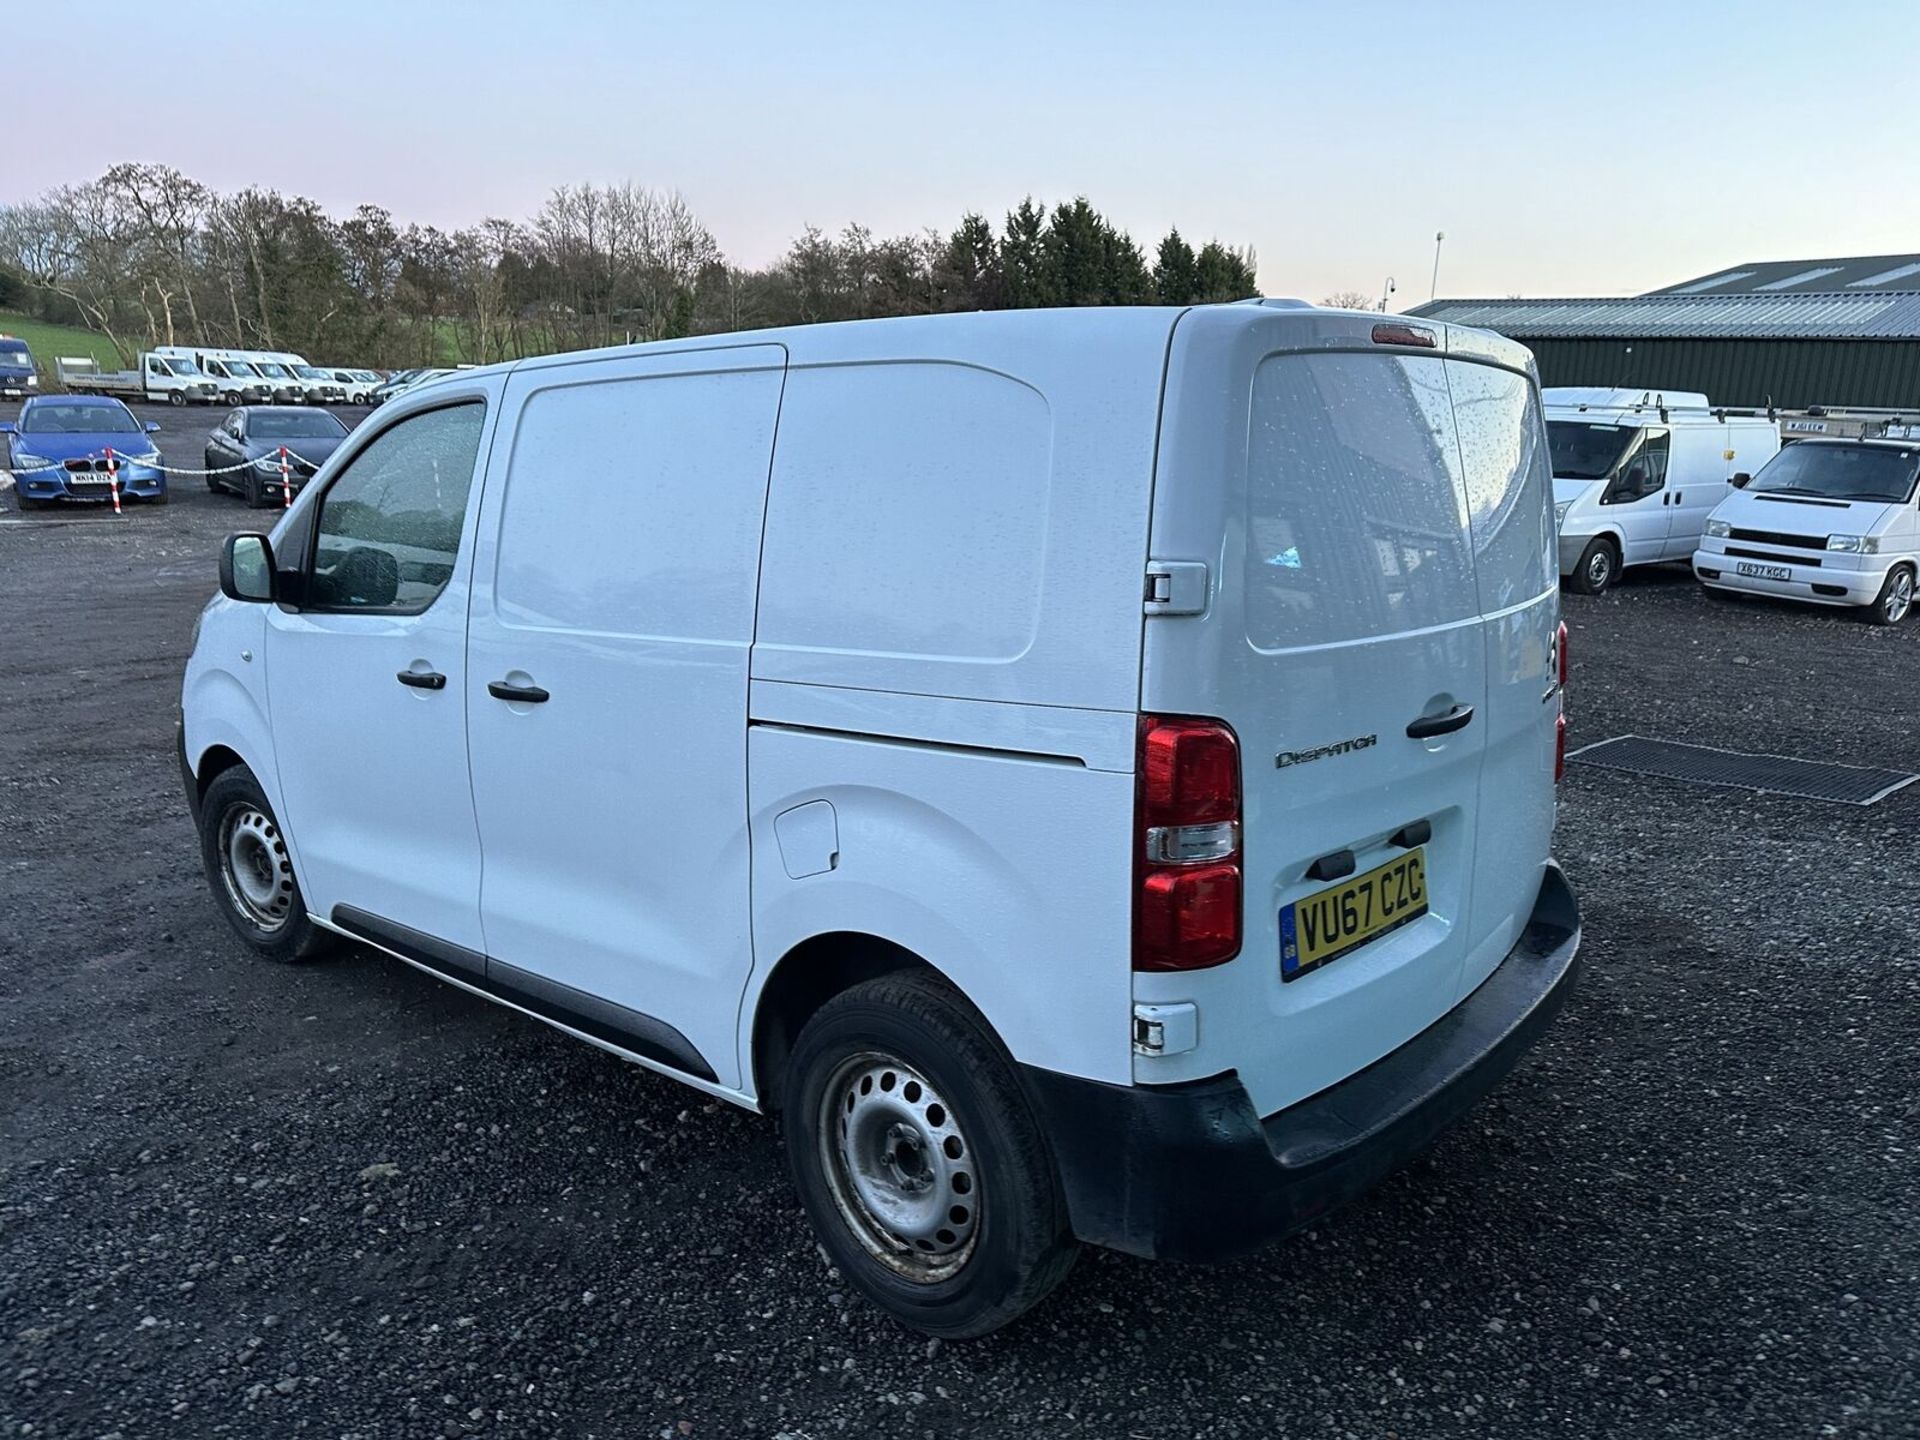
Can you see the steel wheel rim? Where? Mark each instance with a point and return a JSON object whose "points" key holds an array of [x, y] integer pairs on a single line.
{"points": [[1900, 597], [901, 1172], [1599, 568], [255, 867]]}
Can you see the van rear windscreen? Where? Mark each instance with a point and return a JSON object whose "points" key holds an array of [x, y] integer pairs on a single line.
{"points": [[1391, 493], [1357, 524]]}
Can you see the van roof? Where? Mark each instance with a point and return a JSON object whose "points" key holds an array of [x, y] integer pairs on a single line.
{"points": [[977, 333], [1596, 397]]}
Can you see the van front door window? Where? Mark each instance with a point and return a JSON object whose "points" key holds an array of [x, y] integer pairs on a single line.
{"points": [[389, 526]]}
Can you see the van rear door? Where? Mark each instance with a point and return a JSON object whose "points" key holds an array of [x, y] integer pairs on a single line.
{"points": [[1318, 475], [1507, 473]]}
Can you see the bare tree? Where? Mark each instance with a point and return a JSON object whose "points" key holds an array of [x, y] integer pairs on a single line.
{"points": [[1349, 300]]}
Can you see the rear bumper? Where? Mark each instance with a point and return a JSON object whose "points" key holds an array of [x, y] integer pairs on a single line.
{"points": [[1190, 1172]]}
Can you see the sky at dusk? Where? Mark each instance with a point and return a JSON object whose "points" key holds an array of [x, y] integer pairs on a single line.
{"points": [[1589, 150]]}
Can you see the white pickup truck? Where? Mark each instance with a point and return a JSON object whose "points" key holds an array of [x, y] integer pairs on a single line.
{"points": [[157, 378]]}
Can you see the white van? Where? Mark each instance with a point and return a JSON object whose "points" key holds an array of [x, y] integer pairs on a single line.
{"points": [[1832, 522], [1090, 772], [238, 383], [1637, 472]]}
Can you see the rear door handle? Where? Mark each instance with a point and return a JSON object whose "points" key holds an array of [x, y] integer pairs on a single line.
{"points": [[422, 679], [1428, 726], [524, 694]]}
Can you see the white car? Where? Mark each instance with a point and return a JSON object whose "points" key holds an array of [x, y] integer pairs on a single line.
{"points": [[357, 385], [1090, 772], [1831, 522], [1637, 472]]}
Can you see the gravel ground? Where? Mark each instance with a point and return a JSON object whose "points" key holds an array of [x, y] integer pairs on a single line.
{"points": [[345, 1201]]}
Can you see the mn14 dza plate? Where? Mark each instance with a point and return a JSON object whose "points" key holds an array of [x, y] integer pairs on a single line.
{"points": [[1339, 920]]}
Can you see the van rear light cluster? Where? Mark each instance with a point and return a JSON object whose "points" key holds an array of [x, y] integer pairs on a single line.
{"points": [[1186, 909], [1560, 720]]}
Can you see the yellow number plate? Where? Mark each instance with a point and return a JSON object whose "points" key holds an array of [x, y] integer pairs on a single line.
{"points": [[1326, 926]]}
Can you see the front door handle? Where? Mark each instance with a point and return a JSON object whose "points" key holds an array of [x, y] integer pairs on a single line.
{"points": [[422, 679], [1428, 726], [523, 694]]}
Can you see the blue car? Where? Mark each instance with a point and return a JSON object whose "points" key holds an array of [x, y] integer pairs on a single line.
{"points": [[57, 450]]}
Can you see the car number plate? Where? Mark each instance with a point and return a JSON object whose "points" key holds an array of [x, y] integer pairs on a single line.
{"points": [[79, 480], [1763, 572], [1323, 927]]}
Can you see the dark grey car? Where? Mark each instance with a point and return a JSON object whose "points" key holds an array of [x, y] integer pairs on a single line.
{"points": [[245, 451]]}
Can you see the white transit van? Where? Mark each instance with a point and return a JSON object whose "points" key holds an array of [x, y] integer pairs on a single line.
{"points": [[1832, 522], [237, 382], [1637, 472], [1090, 772]]}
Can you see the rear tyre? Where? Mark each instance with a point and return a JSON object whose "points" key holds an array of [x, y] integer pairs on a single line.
{"points": [[1895, 599], [251, 871], [1599, 567], [920, 1161]]}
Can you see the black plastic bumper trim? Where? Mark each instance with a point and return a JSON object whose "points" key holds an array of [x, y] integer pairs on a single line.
{"points": [[631, 1030], [189, 781], [1190, 1172]]}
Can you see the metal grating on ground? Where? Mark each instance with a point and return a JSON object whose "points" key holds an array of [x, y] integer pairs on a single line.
{"points": [[1768, 774]]}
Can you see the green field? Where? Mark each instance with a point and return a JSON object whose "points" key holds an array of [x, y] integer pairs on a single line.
{"points": [[48, 342]]}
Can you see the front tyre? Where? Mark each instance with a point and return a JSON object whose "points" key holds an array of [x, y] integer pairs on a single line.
{"points": [[1599, 567], [920, 1161], [1895, 599], [251, 870]]}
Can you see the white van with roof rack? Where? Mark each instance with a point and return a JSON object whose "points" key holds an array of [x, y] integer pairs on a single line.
{"points": [[1089, 772], [1830, 522], [1637, 472]]}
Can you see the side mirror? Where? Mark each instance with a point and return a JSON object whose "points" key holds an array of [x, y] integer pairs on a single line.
{"points": [[1741, 479], [246, 568], [153, 427], [7, 427]]}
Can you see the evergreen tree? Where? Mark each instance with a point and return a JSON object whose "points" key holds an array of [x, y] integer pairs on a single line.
{"points": [[972, 278], [1223, 274], [1175, 277], [1022, 258]]}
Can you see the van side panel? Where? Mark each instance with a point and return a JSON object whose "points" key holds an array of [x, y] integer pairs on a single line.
{"points": [[1007, 873], [947, 659], [962, 511]]}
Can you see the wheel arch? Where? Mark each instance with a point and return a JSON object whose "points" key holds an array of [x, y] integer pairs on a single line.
{"points": [[810, 974]]}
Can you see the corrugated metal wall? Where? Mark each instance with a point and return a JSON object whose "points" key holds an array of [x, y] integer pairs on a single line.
{"points": [[1883, 374]]}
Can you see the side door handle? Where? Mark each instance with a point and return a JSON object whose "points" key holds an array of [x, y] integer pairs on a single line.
{"points": [[422, 679], [1428, 726], [524, 694]]}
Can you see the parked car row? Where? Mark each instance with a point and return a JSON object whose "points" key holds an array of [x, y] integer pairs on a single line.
{"points": [[1641, 477]]}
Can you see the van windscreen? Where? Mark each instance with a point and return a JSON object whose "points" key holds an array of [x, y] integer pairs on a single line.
{"points": [[1357, 520], [1840, 472], [1584, 451]]}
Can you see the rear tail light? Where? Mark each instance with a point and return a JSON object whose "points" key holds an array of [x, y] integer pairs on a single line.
{"points": [[1186, 845], [1560, 720]]}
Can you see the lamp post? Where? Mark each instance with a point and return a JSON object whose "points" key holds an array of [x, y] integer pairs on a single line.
{"points": [[1386, 295], [1434, 288]]}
